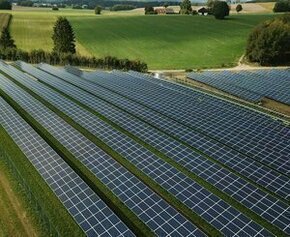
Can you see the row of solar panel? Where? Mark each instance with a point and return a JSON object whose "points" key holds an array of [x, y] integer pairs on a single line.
{"points": [[208, 145], [89, 211], [74, 112], [71, 80], [264, 139], [187, 191], [200, 166], [153, 210], [250, 85]]}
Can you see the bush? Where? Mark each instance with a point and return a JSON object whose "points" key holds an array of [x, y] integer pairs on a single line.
{"points": [[5, 5], [239, 8], [98, 10], [220, 9], [194, 12], [282, 6], [54, 8], [268, 44], [122, 7], [149, 10], [38, 56]]}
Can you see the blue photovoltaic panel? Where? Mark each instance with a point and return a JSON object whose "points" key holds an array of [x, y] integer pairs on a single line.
{"points": [[258, 172], [263, 204], [153, 210], [236, 187], [271, 83], [251, 133], [119, 143], [88, 210]]}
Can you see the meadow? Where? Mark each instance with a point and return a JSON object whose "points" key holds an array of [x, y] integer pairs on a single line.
{"points": [[163, 42]]}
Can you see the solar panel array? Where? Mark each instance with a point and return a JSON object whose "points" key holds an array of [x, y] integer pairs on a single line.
{"points": [[235, 160], [178, 122], [250, 85], [153, 210], [185, 189], [249, 195], [89, 211], [248, 132]]}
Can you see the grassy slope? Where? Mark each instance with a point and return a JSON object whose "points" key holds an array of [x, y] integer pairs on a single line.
{"points": [[168, 42], [164, 42], [32, 28]]}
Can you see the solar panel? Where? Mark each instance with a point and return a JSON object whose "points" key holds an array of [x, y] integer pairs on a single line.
{"points": [[236, 187], [153, 210], [87, 209], [258, 172], [273, 83], [215, 118], [92, 124]]}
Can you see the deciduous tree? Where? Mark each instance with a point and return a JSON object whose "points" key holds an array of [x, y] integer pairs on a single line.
{"points": [[268, 44], [185, 7], [220, 9]]}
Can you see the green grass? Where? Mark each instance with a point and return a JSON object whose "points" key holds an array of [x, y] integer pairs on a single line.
{"points": [[4, 20], [168, 42], [163, 42]]}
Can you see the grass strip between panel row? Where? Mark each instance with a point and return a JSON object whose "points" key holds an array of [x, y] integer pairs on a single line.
{"points": [[54, 209]]}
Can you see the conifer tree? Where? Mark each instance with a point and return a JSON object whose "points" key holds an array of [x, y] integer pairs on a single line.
{"points": [[5, 39], [63, 37]]}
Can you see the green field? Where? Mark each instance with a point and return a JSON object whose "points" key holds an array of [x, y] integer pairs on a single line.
{"points": [[163, 42]]}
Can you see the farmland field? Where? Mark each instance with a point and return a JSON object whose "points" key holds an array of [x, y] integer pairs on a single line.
{"points": [[168, 42], [163, 42]]}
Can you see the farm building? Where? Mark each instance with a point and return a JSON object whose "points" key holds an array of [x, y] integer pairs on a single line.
{"points": [[164, 11]]}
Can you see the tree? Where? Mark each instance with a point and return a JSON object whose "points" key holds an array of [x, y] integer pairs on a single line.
{"points": [[239, 8], [220, 9], [5, 40], [98, 10], [282, 6], [149, 10], [5, 5], [165, 5], [268, 43], [185, 7], [63, 37]]}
